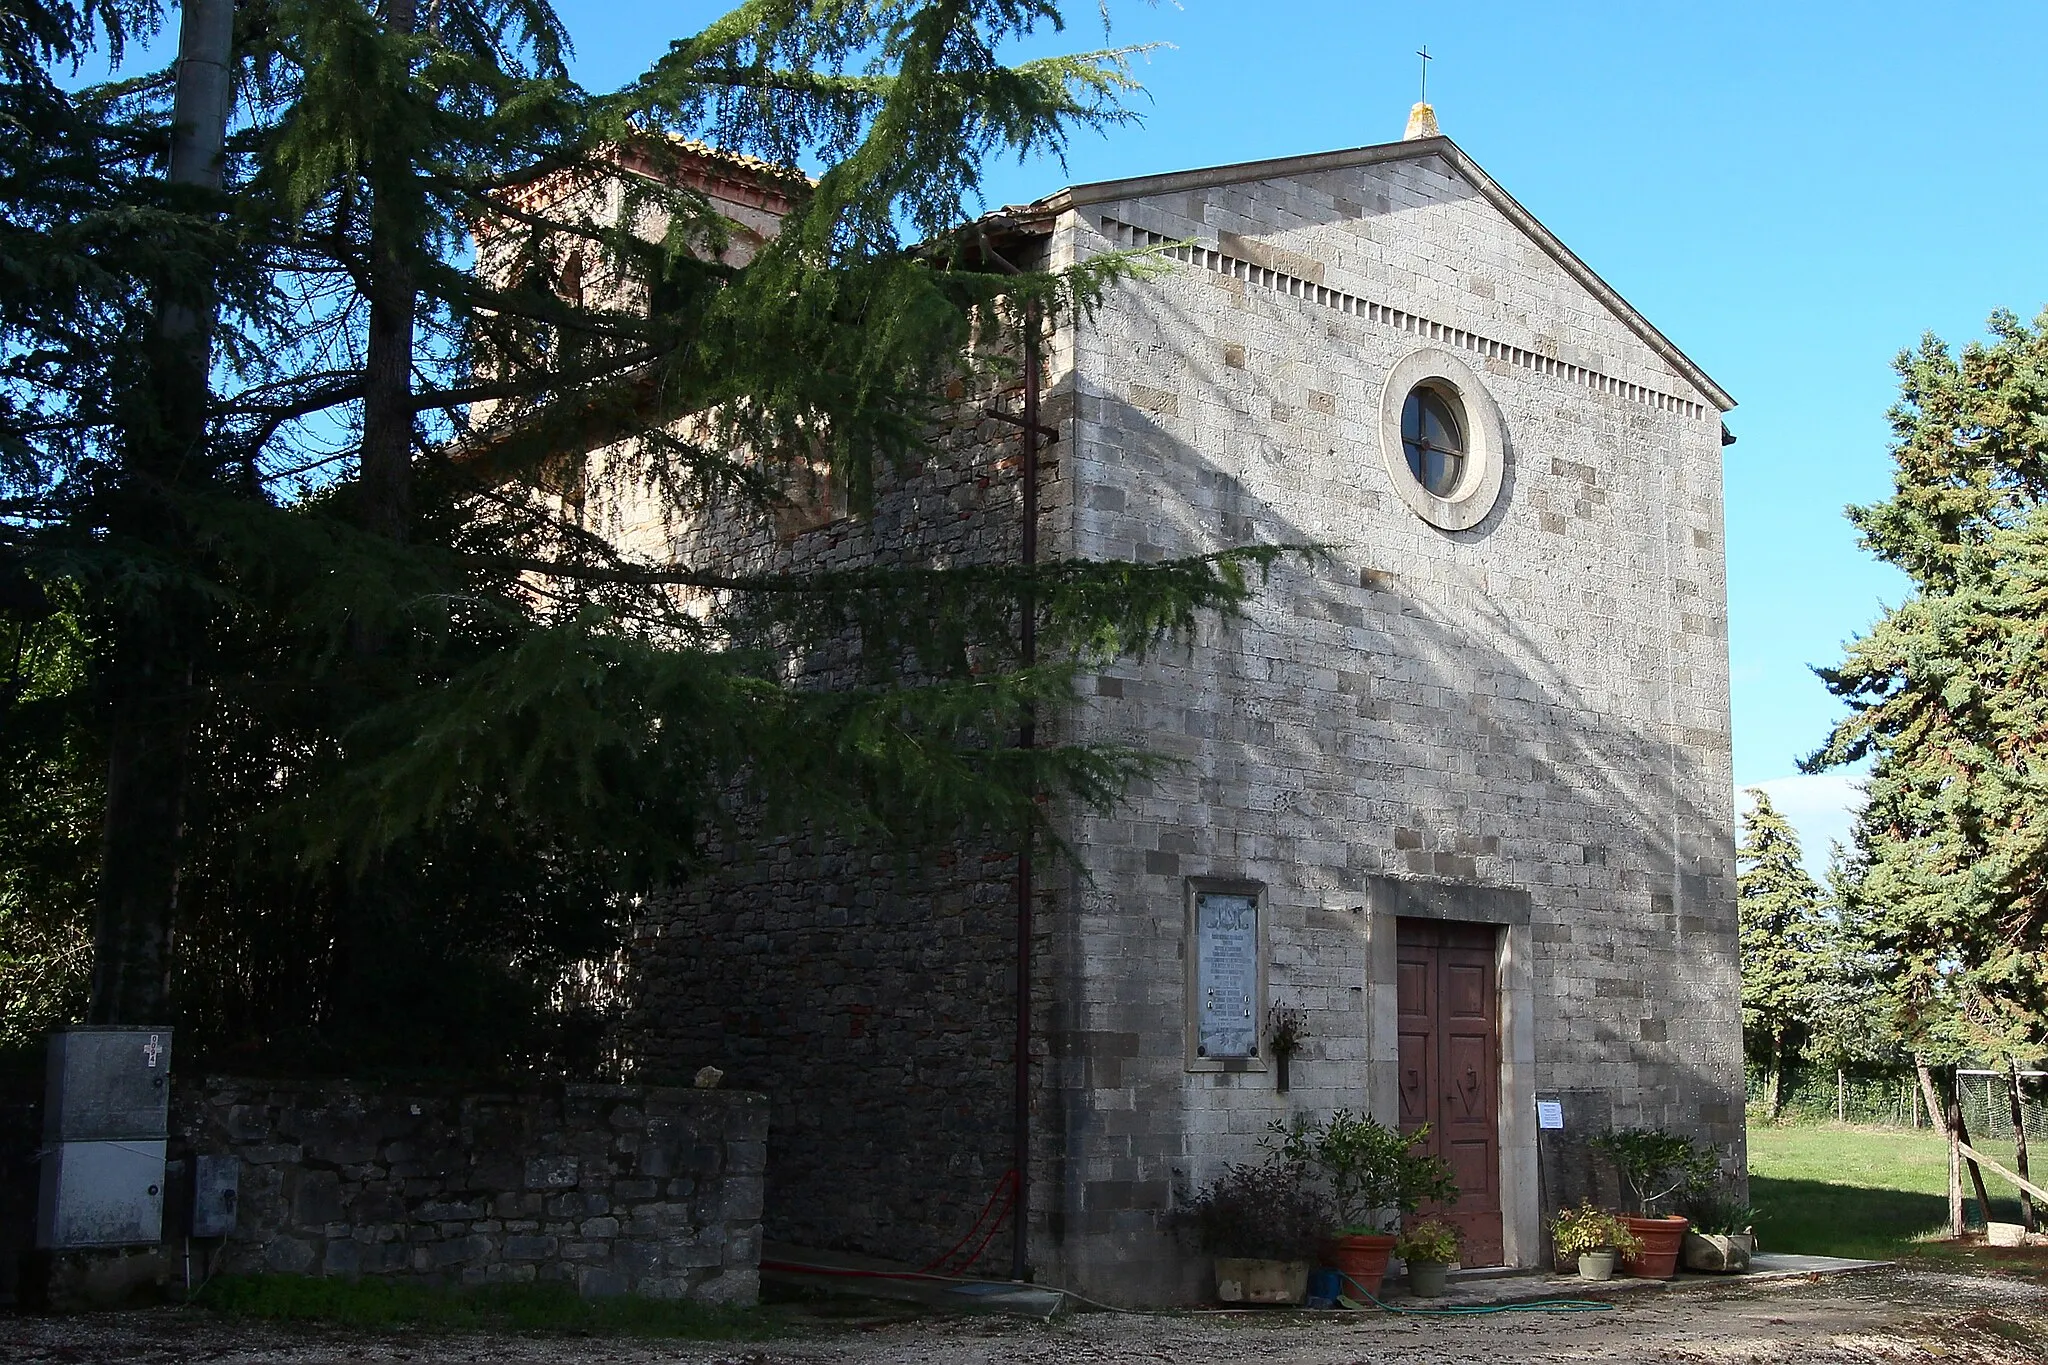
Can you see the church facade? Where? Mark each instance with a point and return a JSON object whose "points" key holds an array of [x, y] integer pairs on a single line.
{"points": [[1457, 790]]}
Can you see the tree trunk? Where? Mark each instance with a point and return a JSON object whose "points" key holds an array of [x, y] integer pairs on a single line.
{"points": [[1774, 1100], [2019, 1140], [385, 484], [147, 751], [1841, 1097], [149, 663], [1937, 1112]]}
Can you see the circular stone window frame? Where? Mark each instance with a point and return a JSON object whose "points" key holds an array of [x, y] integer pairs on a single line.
{"points": [[1486, 446]]}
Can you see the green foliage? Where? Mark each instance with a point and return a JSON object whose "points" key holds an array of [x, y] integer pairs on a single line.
{"points": [[1585, 1228], [1949, 703], [374, 1304], [1716, 1209], [1431, 1240], [49, 820], [1372, 1171], [1268, 1211], [1655, 1164], [428, 737], [1780, 915], [1286, 1028]]}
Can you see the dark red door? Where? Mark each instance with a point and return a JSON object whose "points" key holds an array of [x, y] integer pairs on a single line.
{"points": [[1450, 1066]]}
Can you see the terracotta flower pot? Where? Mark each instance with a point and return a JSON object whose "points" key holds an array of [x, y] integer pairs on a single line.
{"points": [[1243, 1280], [1662, 1239], [1360, 1257]]}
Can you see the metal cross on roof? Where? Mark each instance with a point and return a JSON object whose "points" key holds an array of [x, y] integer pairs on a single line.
{"points": [[1423, 52]]}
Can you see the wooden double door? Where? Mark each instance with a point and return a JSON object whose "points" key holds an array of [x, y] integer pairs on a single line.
{"points": [[1450, 1067]]}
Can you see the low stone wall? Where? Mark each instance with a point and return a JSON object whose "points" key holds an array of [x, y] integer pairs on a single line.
{"points": [[613, 1189]]}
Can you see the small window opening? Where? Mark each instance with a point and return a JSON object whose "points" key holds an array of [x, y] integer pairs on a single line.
{"points": [[1433, 434]]}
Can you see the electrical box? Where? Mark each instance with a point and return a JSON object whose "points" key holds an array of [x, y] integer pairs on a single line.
{"points": [[106, 1114], [106, 1083], [216, 1188], [102, 1194]]}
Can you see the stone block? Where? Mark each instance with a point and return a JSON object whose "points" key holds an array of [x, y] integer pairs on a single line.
{"points": [[344, 1256], [289, 1256], [734, 1285], [316, 1199], [530, 1248], [457, 1251], [600, 1282], [551, 1173], [637, 1257], [514, 1204], [695, 1253], [740, 1201]]}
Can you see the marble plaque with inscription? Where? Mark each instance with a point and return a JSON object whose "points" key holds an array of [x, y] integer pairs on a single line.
{"points": [[1227, 975]]}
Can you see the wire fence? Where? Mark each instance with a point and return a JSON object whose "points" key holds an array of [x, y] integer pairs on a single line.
{"points": [[1987, 1104], [1893, 1100]]}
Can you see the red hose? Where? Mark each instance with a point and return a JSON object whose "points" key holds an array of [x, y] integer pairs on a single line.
{"points": [[1006, 1185]]}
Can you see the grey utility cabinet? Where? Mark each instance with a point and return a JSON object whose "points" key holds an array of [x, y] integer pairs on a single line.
{"points": [[106, 1113]]}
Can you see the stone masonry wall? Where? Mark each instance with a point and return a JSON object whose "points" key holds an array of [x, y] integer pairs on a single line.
{"points": [[611, 1189], [1538, 702], [867, 992]]}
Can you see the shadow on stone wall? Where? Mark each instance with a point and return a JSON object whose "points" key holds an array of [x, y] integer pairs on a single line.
{"points": [[1302, 729]]}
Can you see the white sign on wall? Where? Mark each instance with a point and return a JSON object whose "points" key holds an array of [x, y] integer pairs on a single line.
{"points": [[1549, 1114], [1226, 975]]}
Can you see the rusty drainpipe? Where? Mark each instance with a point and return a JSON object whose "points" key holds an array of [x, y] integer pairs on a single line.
{"points": [[1020, 1212]]}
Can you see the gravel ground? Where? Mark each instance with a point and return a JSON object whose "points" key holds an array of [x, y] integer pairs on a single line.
{"points": [[1891, 1316]]}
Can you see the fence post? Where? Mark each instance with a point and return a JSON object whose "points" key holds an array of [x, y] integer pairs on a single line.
{"points": [[1959, 1133], [1955, 1185], [2019, 1139]]}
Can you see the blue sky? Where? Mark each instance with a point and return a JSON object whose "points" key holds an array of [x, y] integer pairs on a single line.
{"points": [[1792, 192]]}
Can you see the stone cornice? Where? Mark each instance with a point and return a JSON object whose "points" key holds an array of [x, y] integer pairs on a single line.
{"points": [[1281, 168]]}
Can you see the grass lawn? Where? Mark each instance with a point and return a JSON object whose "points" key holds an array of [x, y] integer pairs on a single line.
{"points": [[1869, 1192]]}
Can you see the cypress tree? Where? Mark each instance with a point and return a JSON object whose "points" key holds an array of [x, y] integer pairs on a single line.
{"points": [[1779, 906]]}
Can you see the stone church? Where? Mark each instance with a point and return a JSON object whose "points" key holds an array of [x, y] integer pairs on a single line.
{"points": [[1459, 792]]}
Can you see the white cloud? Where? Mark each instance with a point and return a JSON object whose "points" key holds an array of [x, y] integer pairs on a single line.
{"points": [[1822, 807]]}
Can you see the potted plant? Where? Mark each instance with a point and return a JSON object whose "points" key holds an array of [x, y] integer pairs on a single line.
{"points": [[1375, 1176], [1263, 1223], [1285, 1029], [1655, 1165], [1722, 1237], [1593, 1237], [1428, 1247]]}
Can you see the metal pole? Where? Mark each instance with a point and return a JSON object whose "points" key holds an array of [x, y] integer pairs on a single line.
{"points": [[1020, 1209]]}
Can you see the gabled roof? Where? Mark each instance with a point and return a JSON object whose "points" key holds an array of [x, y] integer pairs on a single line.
{"points": [[1077, 196]]}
